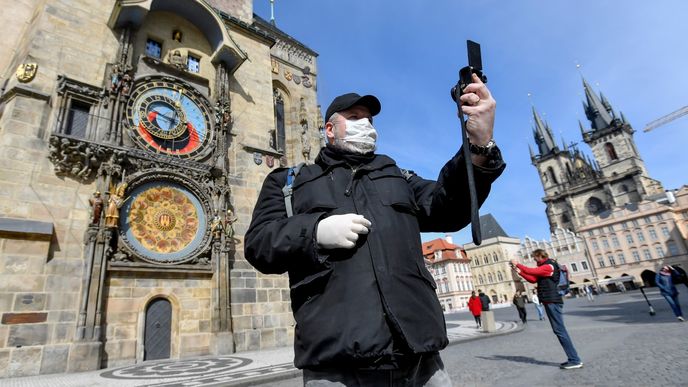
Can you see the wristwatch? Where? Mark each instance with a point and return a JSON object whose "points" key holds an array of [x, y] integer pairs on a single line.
{"points": [[487, 150]]}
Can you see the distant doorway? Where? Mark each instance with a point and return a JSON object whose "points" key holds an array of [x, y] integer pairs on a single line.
{"points": [[157, 334], [648, 277]]}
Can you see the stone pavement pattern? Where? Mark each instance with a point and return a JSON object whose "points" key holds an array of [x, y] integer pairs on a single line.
{"points": [[619, 342], [244, 368]]}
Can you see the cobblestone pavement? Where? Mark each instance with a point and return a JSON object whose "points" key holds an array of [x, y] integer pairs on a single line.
{"points": [[240, 369], [619, 342]]}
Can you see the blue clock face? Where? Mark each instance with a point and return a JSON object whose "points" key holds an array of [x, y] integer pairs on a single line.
{"points": [[169, 117]]}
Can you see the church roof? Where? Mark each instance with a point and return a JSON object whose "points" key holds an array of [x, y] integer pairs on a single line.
{"points": [[490, 228]]}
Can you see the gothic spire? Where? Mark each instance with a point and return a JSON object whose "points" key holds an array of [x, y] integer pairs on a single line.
{"points": [[543, 135], [595, 110]]}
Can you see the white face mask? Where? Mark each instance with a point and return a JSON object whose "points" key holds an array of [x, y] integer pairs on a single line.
{"points": [[360, 137]]}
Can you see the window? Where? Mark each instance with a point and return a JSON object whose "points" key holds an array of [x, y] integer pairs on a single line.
{"points": [[665, 231], [153, 48], [595, 245], [494, 257], [615, 241], [500, 276], [629, 239], [660, 251], [584, 265], [673, 249], [647, 254], [612, 261], [591, 233], [610, 228], [605, 243], [636, 255], [640, 235], [480, 279], [485, 259], [622, 258], [443, 270], [77, 119], [635, 222], [647, 219], [624, 225], [653, 234], [489, 278], [193, 64], [574, 267], [611, 152], [600, 260], [660, 216], [595, 206]]}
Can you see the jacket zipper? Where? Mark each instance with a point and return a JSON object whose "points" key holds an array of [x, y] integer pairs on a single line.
{"points": [[349, 186]]}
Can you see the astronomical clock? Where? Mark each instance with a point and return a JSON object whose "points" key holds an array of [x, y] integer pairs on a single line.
{"points": [[170, 118]]}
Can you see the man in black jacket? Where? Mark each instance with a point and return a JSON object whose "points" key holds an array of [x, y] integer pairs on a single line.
{"points": [[365, 305], [484, 300]]}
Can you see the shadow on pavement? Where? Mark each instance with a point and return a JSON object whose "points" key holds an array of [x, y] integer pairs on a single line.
{"points": [[629, 312], [519, 359]]}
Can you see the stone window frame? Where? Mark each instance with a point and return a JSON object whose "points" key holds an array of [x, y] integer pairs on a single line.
{"points": [[69, 91]]}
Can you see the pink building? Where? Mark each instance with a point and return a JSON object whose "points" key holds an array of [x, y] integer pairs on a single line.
{"points": [[451, 270]]}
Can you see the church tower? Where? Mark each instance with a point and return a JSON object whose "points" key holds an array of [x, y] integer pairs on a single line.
{"points": [[611, 140], [576, 186]]}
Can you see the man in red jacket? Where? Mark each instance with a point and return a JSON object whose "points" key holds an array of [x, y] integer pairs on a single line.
{"points": [[546, 275]]}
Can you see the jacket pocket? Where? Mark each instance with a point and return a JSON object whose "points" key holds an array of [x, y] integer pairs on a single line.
{"points": [[308, 289], [393, 190]]}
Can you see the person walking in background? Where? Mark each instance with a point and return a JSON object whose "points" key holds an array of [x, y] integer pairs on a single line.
{"points": [[484, 299], [538, 306], [520, 303], [588, 293], [546, 275], [665, 282], [476, 307]]}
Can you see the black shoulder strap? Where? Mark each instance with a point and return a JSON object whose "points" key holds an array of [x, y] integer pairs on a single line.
{"points": [[287, 189]]}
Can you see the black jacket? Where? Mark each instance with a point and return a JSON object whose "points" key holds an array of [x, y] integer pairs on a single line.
{"points": [[485, 300], [349, 303]]}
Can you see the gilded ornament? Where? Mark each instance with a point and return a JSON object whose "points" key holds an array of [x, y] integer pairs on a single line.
{"points": [[288, 75], [26, 72]]}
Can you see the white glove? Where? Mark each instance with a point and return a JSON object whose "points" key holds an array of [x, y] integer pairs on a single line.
{"points": [[341, 231]]}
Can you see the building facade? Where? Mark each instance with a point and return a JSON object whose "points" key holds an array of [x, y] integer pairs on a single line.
{"points": [[490, 262], [629, 244], [576, 186], [132, 158], [452, 273]]}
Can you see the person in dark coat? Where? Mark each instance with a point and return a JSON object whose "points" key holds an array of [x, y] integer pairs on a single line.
{"points": [[365, 305], [520, 303], [484, 299], [665, 283], [476, 307]]}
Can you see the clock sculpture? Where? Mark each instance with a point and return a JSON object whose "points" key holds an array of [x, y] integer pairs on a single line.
{"points": [[169, 117]]}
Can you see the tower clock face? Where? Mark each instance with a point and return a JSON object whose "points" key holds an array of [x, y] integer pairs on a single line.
{"points": [[169, 117]]}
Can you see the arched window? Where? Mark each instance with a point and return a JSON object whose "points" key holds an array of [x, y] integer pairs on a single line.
{"points": [[485, 259], [277, 139], [552, 176], [480, 279], [595, 206], [611, 152], [489, 278], [500, 277], [494, 257]]}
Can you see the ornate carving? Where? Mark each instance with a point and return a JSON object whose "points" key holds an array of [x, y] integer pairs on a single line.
{"points": [[96, 203], [120, 256], [74, 157], [66, 85], [115, 201]]}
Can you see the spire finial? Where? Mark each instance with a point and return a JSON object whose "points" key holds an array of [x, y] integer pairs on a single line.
{"points": [[272, 12]]}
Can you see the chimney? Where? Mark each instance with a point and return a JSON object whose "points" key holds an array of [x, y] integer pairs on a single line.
{"points": [[448, 238]]}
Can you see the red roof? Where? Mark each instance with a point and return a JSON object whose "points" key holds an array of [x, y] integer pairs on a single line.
{"points": [[448, 250]]}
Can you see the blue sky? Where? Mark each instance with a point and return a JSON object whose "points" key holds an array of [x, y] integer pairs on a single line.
{"points": [[408, 54]]}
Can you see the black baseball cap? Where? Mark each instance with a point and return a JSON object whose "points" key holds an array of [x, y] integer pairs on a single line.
{"points": [[346, 101]]}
